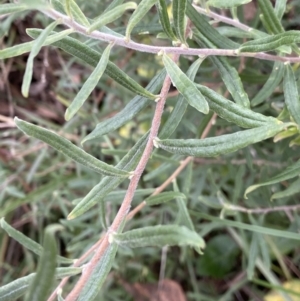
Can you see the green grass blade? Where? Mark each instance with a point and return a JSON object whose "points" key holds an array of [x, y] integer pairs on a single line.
{"points": [[226, 3], [9, 8]]}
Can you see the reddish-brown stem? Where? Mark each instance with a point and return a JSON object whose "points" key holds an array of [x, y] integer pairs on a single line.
{"points": [[121, 215], [77, 263]]}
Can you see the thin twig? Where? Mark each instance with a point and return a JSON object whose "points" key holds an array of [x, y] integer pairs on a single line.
{"points": [[158, 49], [121, 215]]}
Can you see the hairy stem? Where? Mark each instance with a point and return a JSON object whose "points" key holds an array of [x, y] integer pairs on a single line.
{"points": [[121, 215], [156, 49]]}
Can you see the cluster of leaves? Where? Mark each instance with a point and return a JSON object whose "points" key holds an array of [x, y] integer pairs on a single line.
{"points": [[211, 213]]}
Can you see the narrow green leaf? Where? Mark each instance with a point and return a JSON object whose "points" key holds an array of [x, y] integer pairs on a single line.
{"points": [[77, 14], [270, 43], [107, 184], [92, 57], [243, 226], [163, 197], [113, 4], [17, 288], [36, 47], [290, 172], [26, 242], [9, 8], [89, 85], [41, 285], [226, 3], [137, 104], [185, 86], [229, 75], [67, 148], [183, 217], [253, 254], [34, 196], [165, 21], [208, 31], [232, 112], [111, 15], [75, 11], [91, 289], [177, 113], [215, 146], [179, 8], [291, 190], [270, 17], [138, 15], [159, 236], [26, 47], [291, 94], [280, 7], [270, 85]]}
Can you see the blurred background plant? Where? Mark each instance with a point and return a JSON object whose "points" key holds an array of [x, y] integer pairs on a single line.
{"points": [[252, 245]]}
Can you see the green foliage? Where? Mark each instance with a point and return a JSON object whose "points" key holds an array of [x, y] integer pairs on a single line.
{"points": [[134, 82]]}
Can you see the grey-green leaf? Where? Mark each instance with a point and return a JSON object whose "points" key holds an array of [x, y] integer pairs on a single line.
{"points": [[137, 104], [228, 73], [26, 47], [163, 197], [26, 242], [215, 146], [271, 84], [36, 47], [111, 15], [138, 15], [232, 112], [291, 94], [290, 172], [92, 57], [9, 8], [179, 8], [92, 287], [107, 184], [208, 31], [41, 285], [270, 17], [164, 20], [74, 10], [67, 148], [181, 105], [270, 43], [89, 85], [253, 254], [17, 288], [226, 3], [291, 190], [185, 86], [159, 236]]}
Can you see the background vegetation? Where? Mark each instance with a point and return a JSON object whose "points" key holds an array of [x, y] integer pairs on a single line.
{"points": [[252, 242]]}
